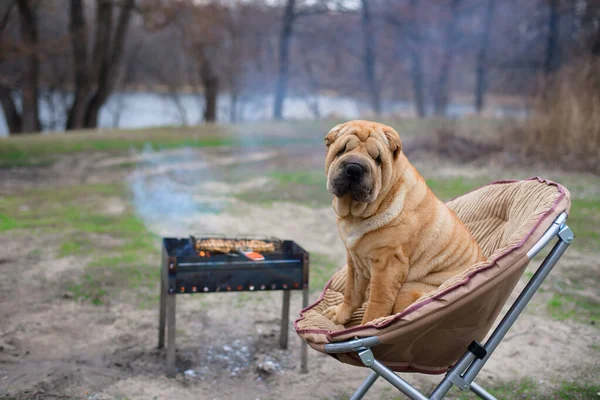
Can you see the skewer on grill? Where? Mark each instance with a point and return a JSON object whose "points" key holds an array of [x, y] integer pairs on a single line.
{"points": [[233, 245]]}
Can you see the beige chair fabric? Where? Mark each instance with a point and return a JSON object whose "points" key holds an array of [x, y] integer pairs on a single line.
{"points": [[506, 218]]}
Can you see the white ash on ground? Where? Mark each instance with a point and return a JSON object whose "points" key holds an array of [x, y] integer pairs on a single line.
{"points": [[238, 358], [234, 357]]}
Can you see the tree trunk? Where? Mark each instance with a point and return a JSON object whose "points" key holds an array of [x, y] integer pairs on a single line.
{"points": [[234, 105], [6, 17], [552, 61], [416, 63], [595, 50], [369, 60], [13, 119], [77, 30], [441, 91], [481, 83], [210, 80], [284, 48], [31, 68], [417, 82], [107, 73]]}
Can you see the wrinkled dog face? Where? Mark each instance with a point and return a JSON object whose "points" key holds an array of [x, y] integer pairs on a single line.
{"points": [[359, 159]]}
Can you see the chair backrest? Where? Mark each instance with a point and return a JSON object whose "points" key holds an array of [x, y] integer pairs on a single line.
{"points": [[500, 214]]}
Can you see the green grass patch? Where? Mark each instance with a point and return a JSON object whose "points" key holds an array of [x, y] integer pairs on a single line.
{"points": [[584, 220], [316, 178], [322, 268], [36, 150], [447, 189], [307, 187], [527, 388], [70, 248], [528, 275], [125, 267], [576, 391], [88, 288], [566, 307], [7, 223]]}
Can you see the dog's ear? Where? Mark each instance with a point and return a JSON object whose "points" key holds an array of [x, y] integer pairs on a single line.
{"points": [[393, 140], [332, 135]]}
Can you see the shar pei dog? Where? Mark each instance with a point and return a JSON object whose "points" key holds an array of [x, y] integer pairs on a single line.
{"points": [[401, 240]]}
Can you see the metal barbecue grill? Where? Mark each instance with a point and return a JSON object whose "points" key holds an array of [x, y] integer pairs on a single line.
{"points": [[219, 264]]}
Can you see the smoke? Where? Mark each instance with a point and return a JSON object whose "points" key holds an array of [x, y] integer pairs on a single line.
{"points": [[165, 190], [182, 191]]}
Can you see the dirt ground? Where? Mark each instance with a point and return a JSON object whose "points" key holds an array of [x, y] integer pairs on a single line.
{"points": [[52, 347]]}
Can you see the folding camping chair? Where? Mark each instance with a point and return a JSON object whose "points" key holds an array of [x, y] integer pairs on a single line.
{"points": [[441, 332]]}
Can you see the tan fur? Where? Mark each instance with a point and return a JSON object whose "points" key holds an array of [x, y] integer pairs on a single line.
{"points": [[402, 244]]}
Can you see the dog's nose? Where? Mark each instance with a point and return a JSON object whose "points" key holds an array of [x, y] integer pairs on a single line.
{"points": [[353, 170]]}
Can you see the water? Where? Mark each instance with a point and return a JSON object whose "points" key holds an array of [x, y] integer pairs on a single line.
{"points": [[148, 109]]}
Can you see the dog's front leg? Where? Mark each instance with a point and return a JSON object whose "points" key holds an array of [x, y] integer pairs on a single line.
{"points": [[354, 296], [388, 272]]}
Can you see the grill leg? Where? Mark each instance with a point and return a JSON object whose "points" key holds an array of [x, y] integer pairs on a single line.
{"points": [[304, 348], [162, 311], [171, 335], [285, 318]]}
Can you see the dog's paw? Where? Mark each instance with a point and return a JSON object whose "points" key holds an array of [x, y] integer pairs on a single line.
{"points": [[339, 315]]}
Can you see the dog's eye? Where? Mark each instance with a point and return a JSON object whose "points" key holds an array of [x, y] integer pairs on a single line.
{"points": [[339, 153], [378, 160]]}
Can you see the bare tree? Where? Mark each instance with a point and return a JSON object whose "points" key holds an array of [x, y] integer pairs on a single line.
{"points": [[78, 31], [94, 82], [442, 89], [481, 68], [210, 81], [11, 114], [284, 51], [31, 67], [552, 58], [410, 37], [369, 61], [108, 53]]}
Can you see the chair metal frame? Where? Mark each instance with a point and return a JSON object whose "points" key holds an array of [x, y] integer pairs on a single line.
{"points": [[470, 364]]}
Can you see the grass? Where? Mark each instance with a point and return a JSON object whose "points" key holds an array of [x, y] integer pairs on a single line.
{"points": [[527, 388], [584, 220], [304, 187], [524, 389], [563, 307], [125, 266], [447, 189], [572, 391], [322, 267], [39, 150], [310, 188], [70, 248]]}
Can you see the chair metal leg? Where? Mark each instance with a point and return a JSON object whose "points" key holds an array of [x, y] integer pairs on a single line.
{"points": [[519, 305], [366, 385], [481, 392], [463, 375], [369, 360]]}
